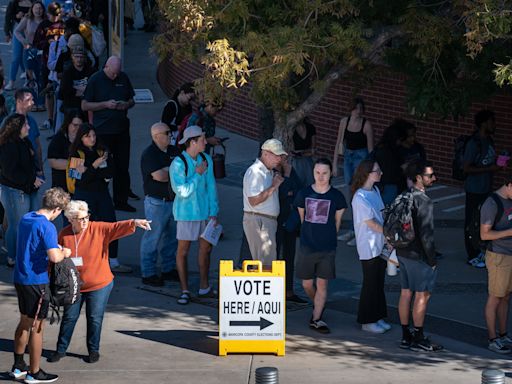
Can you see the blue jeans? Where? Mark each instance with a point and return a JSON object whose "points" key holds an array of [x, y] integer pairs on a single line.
{"points": [[160, 240], [17, 58], [16, 203], [95, 304], [351, 159]]}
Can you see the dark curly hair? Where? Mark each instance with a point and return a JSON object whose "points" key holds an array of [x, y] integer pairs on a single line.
{"points": [[11, 128]]}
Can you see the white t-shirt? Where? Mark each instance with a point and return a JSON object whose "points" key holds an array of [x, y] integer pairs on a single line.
{"points": [[258, 178], [367, 205]]}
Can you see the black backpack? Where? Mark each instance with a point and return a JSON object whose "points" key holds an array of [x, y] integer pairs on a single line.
{"points": [[459, 147], [398, 227], [473, 228], [65, 286]]}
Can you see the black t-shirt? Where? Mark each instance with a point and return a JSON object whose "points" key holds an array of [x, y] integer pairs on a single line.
{"points": [[101, 88], [152, 160], [72, 78], [59, 149], [173, 113], [300, 143]]}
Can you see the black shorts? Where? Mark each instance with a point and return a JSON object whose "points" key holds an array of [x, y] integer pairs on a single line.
{"points": [[416, 275], [311, 263], [33, 300]]}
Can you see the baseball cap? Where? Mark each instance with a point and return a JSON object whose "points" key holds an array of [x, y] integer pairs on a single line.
{"points": [[191, 132], [75, 41], [274, 146]]}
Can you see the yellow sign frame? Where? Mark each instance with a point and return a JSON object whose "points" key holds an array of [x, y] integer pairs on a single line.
{"points": [[253, 346]]}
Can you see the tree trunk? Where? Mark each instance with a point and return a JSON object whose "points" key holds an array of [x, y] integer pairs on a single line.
{"points": [[282, 131]]}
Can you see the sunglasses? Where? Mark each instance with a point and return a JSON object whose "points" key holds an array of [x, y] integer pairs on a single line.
{"points": [[429, 175]]}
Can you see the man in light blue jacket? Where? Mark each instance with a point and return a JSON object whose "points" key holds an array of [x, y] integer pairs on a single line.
{"points": [[192, 180]]}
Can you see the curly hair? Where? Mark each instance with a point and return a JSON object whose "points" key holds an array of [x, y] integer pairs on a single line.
{"points": [[361, 174], [55, 198], [11, 128]]}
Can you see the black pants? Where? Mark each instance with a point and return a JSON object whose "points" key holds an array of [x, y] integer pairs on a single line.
{"points": [[286, 246], [372, 302], [119, 147], [473, 200]]}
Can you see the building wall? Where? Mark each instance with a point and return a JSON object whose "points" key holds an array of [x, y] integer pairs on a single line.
{"points": [[385, 101]]}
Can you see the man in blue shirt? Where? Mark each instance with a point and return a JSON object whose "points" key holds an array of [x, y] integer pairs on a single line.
{"points": [[36, 245]]}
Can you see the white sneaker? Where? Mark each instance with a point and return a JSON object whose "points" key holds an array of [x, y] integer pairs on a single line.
{"points": [[386, 326], [346, 236], [373, 328], [23, 75]]}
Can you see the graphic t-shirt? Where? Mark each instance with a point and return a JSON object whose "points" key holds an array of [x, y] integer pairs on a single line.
{"points": [[318, 231], [36, 235]]}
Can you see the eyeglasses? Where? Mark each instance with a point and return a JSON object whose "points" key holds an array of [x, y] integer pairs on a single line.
{"points": [[429, 175], [82, 219], [376, 171]]}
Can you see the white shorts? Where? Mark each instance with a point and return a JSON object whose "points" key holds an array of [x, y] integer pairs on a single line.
{"points": [[190, 230]]}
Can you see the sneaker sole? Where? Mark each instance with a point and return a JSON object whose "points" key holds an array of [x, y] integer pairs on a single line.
{"points": [[323, 331], [35, 381], [501, 352], [417, 348], [18, 375]]}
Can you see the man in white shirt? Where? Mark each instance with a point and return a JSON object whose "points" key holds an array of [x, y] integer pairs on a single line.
{"points": [[261, 202]]}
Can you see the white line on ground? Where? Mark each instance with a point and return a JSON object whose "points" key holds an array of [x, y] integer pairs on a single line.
{"points": [[456, 208], [449, 197]]}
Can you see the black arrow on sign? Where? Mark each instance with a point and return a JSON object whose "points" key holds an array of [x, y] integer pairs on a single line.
{"points": [[262, 323]]}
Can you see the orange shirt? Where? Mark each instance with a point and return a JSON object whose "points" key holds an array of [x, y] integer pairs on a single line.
{"points": [[93, 249]]}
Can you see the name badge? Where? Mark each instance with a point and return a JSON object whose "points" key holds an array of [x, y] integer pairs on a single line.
{"points": [[78, 261]]}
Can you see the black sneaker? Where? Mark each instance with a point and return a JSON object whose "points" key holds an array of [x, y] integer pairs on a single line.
{"points": [[211, 294], [153, 281], [133, 196], [92, 358], [19, 371], [319, 326], [172, 275], [40, 377], [425, 345], [56, 356], [406, 341]]}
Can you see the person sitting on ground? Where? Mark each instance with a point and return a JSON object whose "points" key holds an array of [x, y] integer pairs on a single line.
{"points": [[320, 209], [89, 243], [367, 207], [496, 228], [36, 247]]}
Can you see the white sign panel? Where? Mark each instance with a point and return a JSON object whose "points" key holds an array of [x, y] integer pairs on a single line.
{"points": [[251, 308]]}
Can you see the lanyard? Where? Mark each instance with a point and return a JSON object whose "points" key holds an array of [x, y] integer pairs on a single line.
{"points": [[77, 242]]}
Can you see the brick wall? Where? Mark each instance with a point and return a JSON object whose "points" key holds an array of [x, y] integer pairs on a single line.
{"points": [[384, 101]]}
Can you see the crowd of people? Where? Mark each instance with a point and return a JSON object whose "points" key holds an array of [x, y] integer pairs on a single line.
{"points": [[287, 195]]}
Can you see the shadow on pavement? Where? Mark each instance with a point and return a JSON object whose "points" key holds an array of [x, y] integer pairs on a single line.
{"points": [[199, 341]]}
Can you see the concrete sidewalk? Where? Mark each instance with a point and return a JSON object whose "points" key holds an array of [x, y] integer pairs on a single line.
{"points": [[147, 337]]}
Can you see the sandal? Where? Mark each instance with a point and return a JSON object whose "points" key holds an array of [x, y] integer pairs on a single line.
{"points": [[184, 298]]}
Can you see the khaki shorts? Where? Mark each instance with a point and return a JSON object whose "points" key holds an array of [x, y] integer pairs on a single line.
{"points": [[499, 271]]}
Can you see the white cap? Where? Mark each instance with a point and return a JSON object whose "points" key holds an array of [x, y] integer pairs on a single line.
{"points": [[274, 146]]}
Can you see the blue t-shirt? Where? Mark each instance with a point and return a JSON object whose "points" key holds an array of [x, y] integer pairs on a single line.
{"points": [[36, 235], [318, 230]]}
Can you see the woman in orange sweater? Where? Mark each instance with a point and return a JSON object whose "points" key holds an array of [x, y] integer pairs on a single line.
{"points": [[89, 241]]}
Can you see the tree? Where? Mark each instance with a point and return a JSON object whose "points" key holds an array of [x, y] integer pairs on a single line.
{"points": [[292, 51]]}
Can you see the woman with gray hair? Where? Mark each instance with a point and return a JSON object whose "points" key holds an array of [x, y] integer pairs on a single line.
{"points": [[89, 241]]}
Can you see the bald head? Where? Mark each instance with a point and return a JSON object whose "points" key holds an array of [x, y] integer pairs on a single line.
{"points": [[160, 135], [158, 128], [112, 67]]}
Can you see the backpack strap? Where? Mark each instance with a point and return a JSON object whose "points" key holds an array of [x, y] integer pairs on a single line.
{"points": [[499, 204], [182, 157]]}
